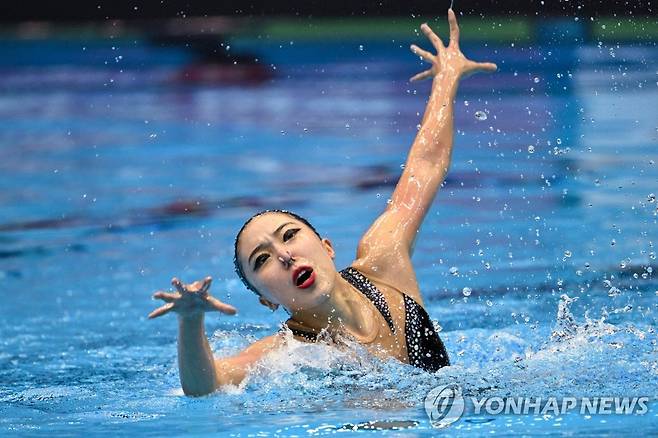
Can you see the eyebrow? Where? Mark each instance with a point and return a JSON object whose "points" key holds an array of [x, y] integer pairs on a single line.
{"points": [[262, 245]]}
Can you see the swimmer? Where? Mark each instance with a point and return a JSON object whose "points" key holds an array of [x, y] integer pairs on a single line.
{"points": [[375, 301]]}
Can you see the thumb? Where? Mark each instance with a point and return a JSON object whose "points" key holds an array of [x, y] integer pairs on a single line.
{"points": [[485, 66], [221, 307]]}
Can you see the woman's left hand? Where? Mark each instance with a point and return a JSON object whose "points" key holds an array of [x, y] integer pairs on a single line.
{"points": [[448, 61]]}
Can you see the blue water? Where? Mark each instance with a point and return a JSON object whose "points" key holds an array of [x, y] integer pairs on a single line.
{"points": [[115, 178]]}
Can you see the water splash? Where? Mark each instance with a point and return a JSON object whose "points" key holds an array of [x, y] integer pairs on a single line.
{"points": [[566, 324]]}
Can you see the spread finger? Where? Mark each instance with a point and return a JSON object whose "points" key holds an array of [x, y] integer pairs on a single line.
{"points": [[454, 28], [427, 56], [166, 296], [436, 41], [222, 307], [420, 76], [161, 310], [206, 285], [178, 285]]}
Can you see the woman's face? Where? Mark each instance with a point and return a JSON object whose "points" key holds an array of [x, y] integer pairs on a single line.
{"points": [[264, 250]]}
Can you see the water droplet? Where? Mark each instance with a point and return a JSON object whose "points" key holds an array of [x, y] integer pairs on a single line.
{"points": [[361, 47], [480, 115], [467, 291], [613, 292], [536, 80], [558, 141], [454, 271], [531, 149], [607, 283], [651, 198], [489, 303], [567, 253], [612, 242]]}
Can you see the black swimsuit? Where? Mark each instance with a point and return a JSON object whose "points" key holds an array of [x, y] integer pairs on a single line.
{"points": [[424, 346]]}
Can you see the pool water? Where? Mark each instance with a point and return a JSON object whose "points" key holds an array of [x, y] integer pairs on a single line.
{"points": [[115, 178]]}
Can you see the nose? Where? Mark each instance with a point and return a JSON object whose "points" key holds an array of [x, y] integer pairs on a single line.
{"points": [[285, 258]]}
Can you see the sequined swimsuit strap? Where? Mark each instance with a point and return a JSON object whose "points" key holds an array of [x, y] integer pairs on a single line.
{"points": [[365, 286]]}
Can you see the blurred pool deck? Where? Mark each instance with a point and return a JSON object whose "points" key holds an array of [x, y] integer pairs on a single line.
{"points": [[210, 38]]}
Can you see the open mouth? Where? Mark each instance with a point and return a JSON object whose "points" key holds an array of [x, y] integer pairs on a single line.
{"points": [[303, 277]]}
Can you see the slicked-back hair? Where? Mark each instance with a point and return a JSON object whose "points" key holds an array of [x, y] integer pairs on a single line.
{"points": [[236, 262]]}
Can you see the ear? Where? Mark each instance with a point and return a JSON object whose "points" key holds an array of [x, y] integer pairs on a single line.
{"points": [[268, 304], [329, 247]]}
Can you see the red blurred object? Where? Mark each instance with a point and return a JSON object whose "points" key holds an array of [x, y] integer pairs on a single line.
{"points": [[221, 74]]}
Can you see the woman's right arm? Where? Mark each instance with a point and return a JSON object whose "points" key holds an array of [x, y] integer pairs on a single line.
{"points": [[200, 373], [232, 370], [196, 365]]}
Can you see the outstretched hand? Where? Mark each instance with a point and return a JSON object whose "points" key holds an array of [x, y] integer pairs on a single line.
{"points": [[448, 59], [190, 300]]}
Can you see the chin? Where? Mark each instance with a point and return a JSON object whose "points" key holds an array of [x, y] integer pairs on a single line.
{"points": [[315, 298], [317, 294]]}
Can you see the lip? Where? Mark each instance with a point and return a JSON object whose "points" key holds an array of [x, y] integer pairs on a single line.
{"points": [[309, 281]]}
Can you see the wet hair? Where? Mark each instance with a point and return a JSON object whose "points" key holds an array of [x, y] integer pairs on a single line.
{"points": [[236, 262]]}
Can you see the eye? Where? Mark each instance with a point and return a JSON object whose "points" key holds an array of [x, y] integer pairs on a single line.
{"points": [[260, 260], [290, 234]]}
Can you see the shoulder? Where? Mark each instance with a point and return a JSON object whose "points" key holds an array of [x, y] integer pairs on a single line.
{"points": [[263, 345], [232, 370], [388, 262], [394, 274]]}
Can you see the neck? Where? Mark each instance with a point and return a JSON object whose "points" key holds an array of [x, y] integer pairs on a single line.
{"points": [[344, 308]]}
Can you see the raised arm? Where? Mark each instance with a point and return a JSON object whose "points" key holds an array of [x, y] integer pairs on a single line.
{"points": [[390, 240], [200, 373]]}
